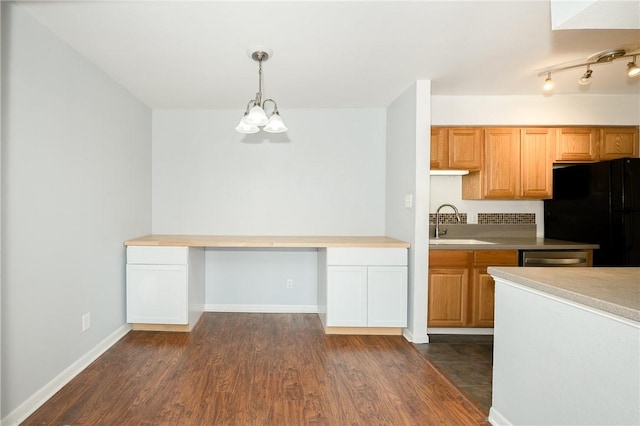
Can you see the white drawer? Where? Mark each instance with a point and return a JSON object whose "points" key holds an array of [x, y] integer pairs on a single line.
{"points": [[145, 255], [367, 256]]}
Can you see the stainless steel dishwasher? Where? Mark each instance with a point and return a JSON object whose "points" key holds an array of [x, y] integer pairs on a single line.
{"points": [[553, 258]]}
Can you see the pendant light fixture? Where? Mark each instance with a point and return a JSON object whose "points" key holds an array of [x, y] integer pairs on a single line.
{"points": [[606, 56], [255, 116]]}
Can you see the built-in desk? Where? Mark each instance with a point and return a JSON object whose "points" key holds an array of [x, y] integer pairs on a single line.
{"points": [[362, 281]]}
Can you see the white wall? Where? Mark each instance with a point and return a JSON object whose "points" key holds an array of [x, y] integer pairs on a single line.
{"points": [[581, 109], [325, 176], [1, 115], [314, 179], [76, 183], [408, 136], [255, 280]]}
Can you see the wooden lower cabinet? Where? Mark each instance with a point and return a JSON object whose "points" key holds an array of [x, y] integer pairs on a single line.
{"points": [[461, 292], [448, 290]]}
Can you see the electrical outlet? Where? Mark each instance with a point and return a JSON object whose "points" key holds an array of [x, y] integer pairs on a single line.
{"points": [[86, 321], [289, 283], [472, 218]]}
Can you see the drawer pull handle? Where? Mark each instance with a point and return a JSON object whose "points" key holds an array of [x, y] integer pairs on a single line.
{"points": [[544, 261]]}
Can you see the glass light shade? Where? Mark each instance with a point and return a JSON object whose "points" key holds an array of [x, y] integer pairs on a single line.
{"points": [[548, 84], [632, 69], [256, 116], [275, 124], [244, 127]]}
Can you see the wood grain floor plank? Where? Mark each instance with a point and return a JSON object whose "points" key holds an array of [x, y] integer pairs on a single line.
{"points": [[258, 369]]}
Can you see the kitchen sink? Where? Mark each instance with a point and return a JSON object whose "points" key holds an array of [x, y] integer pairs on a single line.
{"points": [[459, 241]]}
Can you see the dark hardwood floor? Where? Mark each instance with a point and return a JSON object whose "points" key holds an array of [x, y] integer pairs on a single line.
{"points": [[258, 369]]}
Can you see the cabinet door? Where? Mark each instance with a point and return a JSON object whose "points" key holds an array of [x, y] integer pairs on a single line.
{"points": [[439, 159], [448, 296], [465, 148], [483, 298], [618, 142], [502, 163], [347, 296], [577, 144], [536, 162], [157, 294], [387, 296]]}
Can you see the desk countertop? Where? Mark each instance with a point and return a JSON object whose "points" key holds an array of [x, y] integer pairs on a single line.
{"points": [[613, 290], [265, 241]]}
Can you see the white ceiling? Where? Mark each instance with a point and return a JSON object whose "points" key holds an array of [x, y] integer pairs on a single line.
{"points": [[179, 54]]}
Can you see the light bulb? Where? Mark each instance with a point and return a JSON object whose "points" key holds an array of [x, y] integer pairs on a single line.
{"points": [[632, 69], [548, 84]]}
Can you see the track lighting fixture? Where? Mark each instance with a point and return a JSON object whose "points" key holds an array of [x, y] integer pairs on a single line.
{"points": [[611, 55], [548, 83], [586, 77], [255, 116], [632, 69]]}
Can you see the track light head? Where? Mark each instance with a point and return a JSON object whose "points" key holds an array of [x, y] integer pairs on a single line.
{"points": [[586, 77], [633, 70], [607, 56], [548, 83]]}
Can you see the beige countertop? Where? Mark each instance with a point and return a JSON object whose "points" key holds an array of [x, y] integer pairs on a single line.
{"points": [[517, 243], [613, 290], [265, 241]]}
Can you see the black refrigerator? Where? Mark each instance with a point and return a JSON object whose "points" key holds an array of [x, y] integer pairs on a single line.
{"points": [[598, 203]]}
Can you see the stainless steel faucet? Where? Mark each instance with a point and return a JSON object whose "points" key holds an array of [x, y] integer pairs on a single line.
{"points": [[438, 233]]}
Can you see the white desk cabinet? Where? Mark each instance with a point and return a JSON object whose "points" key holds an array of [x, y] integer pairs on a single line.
{"points": [[363, 287], [165, 287]]}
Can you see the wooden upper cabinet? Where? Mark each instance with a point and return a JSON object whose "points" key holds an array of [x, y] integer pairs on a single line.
{"points": [[439, 149], [590, 144], [576, 144], [456, 148], [465, 148], [618, 142], [502, 163], [536, 162], [517, 164]]}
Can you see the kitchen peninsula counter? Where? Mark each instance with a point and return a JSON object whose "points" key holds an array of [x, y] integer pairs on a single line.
{"points": [[612, 290], [267, 241], [566, 346]]}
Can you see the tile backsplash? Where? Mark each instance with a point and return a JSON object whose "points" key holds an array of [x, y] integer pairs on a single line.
{"points": [[487, 218]]}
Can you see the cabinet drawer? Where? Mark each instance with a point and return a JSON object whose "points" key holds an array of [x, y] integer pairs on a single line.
{"points": [[449, 258], [367, 256], [144, 255], [495, 257]]}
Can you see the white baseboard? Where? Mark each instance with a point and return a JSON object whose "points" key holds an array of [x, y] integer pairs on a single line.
{"points": [[497, 419], [414, 339], [456, 330], [36, 400], [274, 309]]}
